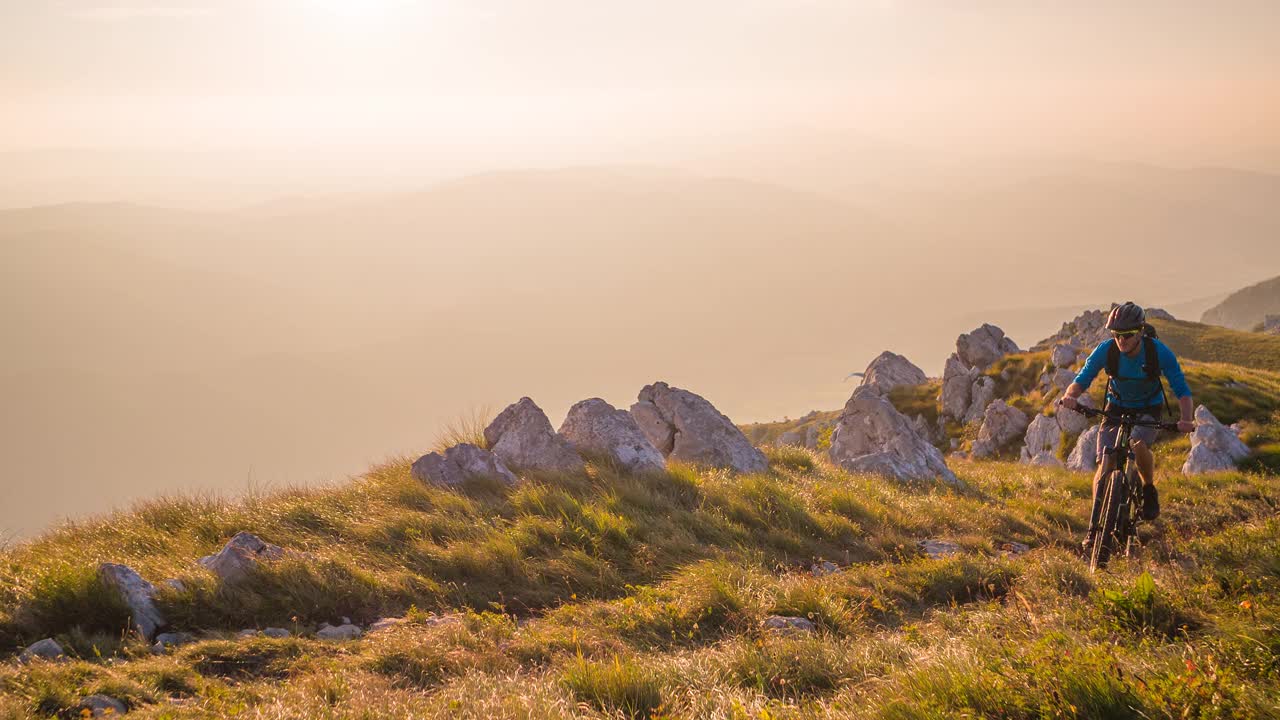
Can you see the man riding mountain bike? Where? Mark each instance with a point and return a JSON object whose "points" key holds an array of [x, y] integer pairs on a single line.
{"points": [[1134, 360]]}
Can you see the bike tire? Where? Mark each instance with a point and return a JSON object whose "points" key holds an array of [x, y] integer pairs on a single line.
{"points": [[1106, 533]]}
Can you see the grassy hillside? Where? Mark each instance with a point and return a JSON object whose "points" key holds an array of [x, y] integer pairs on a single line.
{"points": [[1208, 343], [613, 596]]}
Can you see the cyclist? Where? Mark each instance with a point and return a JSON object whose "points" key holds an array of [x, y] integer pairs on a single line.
{"points": [[1134, 360]]}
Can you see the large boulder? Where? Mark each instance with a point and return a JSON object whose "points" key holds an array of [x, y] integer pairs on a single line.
{"points": [[1055, 382], [685, 427], [137, 594], [46, 649], [1214, 446], [1042, 442], [872, 436], [980, 396], [240, 556], [1063, 355], [1001, 424], [1084, 456], [1072, 422], [957, 387], [890, 370], [460, 462], [984, 346], [594, 425], [522, 438]]}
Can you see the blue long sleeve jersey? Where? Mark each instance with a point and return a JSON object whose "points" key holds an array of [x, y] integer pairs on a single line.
{"points": [[1132, 389]]}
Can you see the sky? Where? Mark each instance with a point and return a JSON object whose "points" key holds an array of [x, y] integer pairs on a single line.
{"points": [[1081, 76]]}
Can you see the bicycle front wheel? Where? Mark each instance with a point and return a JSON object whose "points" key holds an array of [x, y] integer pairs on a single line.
{"points": [[1112, 498]]}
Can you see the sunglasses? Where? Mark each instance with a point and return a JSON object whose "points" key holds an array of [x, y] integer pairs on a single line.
{"points": [[1125, 333]]}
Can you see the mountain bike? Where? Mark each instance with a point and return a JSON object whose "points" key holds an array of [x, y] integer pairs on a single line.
{"points": [[1120, 490]]}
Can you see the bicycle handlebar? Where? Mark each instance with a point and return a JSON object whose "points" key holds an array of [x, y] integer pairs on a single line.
{"points": [[1123, 418]]}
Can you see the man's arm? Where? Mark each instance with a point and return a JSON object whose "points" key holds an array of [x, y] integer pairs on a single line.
{"points": [[1092, 366], [1178, 383]]}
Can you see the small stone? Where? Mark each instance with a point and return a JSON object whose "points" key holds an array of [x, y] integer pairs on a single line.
{"points": [[1014, 548], [826, 567], [939, 548], [246, 633], [341, 632], [102, 706], [240, 556], [277, 633], [386, 624], [169, 639], [788, 625], [46, 649]]}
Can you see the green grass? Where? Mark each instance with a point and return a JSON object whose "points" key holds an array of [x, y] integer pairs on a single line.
{"points": [[1213, 344], [604, 595]]}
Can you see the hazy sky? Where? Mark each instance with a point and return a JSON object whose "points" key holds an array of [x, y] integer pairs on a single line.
{"points": [[1189, 78]]}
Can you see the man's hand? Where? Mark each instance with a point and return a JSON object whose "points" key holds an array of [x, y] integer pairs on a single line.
{"points": [[1186, 426], [1068, 401]]}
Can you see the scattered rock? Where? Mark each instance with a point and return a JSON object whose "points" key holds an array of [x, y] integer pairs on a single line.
{"points": [[46, 649], [983, 346], [101, 706], [522, 438], [872, 436], [168, 640], [1086, 331], [459, 463], [1013, 548], [246, 633], [137, 594], [981, 395], [826, 567], [936, 549], [1042, 442], [1271, 324], [890, 370], [788, 625], [276, 633], [1053, 383], [957, 387], [339, 632], [1001, 423], [386, 624], [1084, 456], [685, 427], [240, 556], [596, 426], [1214, 447], [1072, 422], [1063, 355]]}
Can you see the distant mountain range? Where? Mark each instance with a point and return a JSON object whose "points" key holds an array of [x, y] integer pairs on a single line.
{"points": [[1247, 308]]}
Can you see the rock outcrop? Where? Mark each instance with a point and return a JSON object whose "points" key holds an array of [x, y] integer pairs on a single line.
{"points": [[242, 553], [983, 346], [957, 388], [890, 370], [595, 426], [1084, 332], [1214, 446], [1072, 422], [686, 427], [1084, 456], [1042, 442], [137, 594], [522, 438], [980, 396], [1001, 424], [1063, 355], [460, 462], [873, 437]]}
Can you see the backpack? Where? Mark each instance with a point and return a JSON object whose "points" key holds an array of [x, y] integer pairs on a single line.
{"points": [[1151, 367]]}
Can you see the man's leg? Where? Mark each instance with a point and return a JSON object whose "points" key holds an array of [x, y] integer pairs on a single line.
{"points": [[1146, 462]]}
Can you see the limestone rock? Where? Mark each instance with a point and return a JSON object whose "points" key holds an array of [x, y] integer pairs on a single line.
{"points": [[239, 556], [1084, 456], [936, 549], [522, 438], [167, 640], [1053, 383], [1001, 423], [1159, 314], [457, 464], [276, 633], [1086, 331], [1072, 422], [890, 370], [346, 631], [46, 649], [694, 430], [1014, 548], [596, 426], [790, 437], [137, 595], [1063, 355], [1214, 446], [386, 624], [788, 625], [981, 395], [1042, 442], [957, 387], [826, 567], [101, 706], [872, 436], [983, 346]]}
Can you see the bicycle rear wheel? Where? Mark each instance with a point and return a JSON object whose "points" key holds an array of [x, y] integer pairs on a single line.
{"points": [[1105, 537]]}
